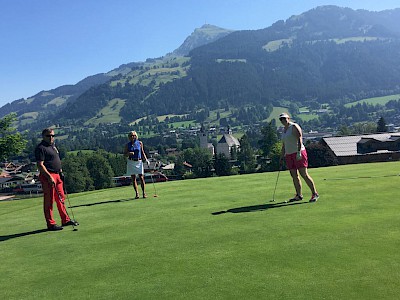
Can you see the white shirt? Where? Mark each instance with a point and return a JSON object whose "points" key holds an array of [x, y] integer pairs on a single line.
{"points": [[290, 140]]}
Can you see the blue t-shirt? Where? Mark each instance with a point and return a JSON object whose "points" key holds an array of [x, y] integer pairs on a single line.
{"points": [[136, 149]]}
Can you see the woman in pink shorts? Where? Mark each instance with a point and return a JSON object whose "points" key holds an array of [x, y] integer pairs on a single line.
{"points": [[295, 155]]}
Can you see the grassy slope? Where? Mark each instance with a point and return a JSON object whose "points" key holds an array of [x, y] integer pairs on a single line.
{"points": [[276, 112], [376, 100], [108, 114], [214, 238]]}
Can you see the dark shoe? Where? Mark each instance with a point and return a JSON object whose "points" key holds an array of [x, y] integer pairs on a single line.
{"points": [[71, 222], [55, 228], [296, 198]]}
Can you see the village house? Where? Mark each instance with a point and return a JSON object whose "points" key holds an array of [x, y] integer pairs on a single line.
{"points": [[224, 146], [227, 143], [364, 148], [13, 174]]}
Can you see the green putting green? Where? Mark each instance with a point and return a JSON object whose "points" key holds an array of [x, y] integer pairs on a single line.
{"points": [[213, 238]]}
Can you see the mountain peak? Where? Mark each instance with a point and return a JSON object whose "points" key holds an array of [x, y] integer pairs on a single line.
{"points": [[201, 36]]}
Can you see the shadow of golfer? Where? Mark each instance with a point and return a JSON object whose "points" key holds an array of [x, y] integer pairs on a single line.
{"points": [[22, 234], [260, 207], [103, 202]]}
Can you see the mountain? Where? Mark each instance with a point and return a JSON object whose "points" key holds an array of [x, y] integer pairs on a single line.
{"points": [[327, 55], [201, 36], [52, 98], [46, 103]]}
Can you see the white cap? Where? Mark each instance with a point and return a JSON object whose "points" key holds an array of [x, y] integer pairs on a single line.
{"points": [[284, 115]]}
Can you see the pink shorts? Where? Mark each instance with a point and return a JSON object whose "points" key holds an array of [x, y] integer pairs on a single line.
{"points": [[293, 164]]}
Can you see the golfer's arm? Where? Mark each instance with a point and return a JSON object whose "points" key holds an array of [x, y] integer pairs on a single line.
{"points": [[43, 170], [143, 153], [299, 137]]}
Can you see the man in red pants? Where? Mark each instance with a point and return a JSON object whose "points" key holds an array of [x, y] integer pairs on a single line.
{"points": [[49, 165]]}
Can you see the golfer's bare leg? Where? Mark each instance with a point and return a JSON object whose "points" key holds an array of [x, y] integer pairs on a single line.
{"points": [[307, 178], [143, 184], [135, 185], [296, 181]]}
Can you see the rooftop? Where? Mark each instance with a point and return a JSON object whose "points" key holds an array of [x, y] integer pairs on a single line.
{"points": [[347, 145]]}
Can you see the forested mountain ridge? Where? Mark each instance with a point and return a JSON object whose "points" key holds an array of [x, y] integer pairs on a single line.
{"points": [[52, 98], [34, 110], [323, 55], [326, 55]]}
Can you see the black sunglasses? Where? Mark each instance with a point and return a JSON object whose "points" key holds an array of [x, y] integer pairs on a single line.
{"points": [[50, 135]]}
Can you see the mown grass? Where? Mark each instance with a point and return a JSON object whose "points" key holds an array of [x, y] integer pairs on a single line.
{"points": [[184, 124], [277, 44], [307, 117], [375, 100], [108, 114], [159, 71], [214, 238], [277, 110]]}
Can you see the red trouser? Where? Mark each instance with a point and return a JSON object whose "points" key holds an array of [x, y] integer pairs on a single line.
{"points": [[50, 195]]}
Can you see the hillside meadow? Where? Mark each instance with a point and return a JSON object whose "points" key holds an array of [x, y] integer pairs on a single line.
{"points": [[375, 100], [213, 238]]}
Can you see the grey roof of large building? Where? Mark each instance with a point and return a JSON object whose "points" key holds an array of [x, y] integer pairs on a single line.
{"points": [[230, 140], [347, 145]]}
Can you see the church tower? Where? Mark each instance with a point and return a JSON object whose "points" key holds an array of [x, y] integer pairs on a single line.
{"points": [[203, 137], [204, 140]]}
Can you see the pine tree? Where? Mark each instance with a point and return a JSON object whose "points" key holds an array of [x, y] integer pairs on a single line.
{"points": [[221, 165], [381, 125], [269, 138], [246, 156]]}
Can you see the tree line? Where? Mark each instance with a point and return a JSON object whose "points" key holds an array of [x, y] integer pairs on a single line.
{"points": [[92, 171], [260, 151]]}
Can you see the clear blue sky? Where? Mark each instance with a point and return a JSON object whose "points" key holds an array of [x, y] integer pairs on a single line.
{"points": [[48, 43]]}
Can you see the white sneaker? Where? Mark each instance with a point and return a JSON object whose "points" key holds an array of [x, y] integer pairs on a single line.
{"points": [[314, 197]]}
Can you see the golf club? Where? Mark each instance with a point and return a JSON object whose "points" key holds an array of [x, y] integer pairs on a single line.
{"points": [[70, 207], [277, 178], [276, 184], [74, 223], [154, 186]]}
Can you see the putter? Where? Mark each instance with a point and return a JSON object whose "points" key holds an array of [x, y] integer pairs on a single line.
{"points": [[276, 184], [69, 203], [154, 186]]}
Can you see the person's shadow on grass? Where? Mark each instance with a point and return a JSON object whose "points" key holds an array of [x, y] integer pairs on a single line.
{"points": [[22, 234], [260, 207], [104, 202]]}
